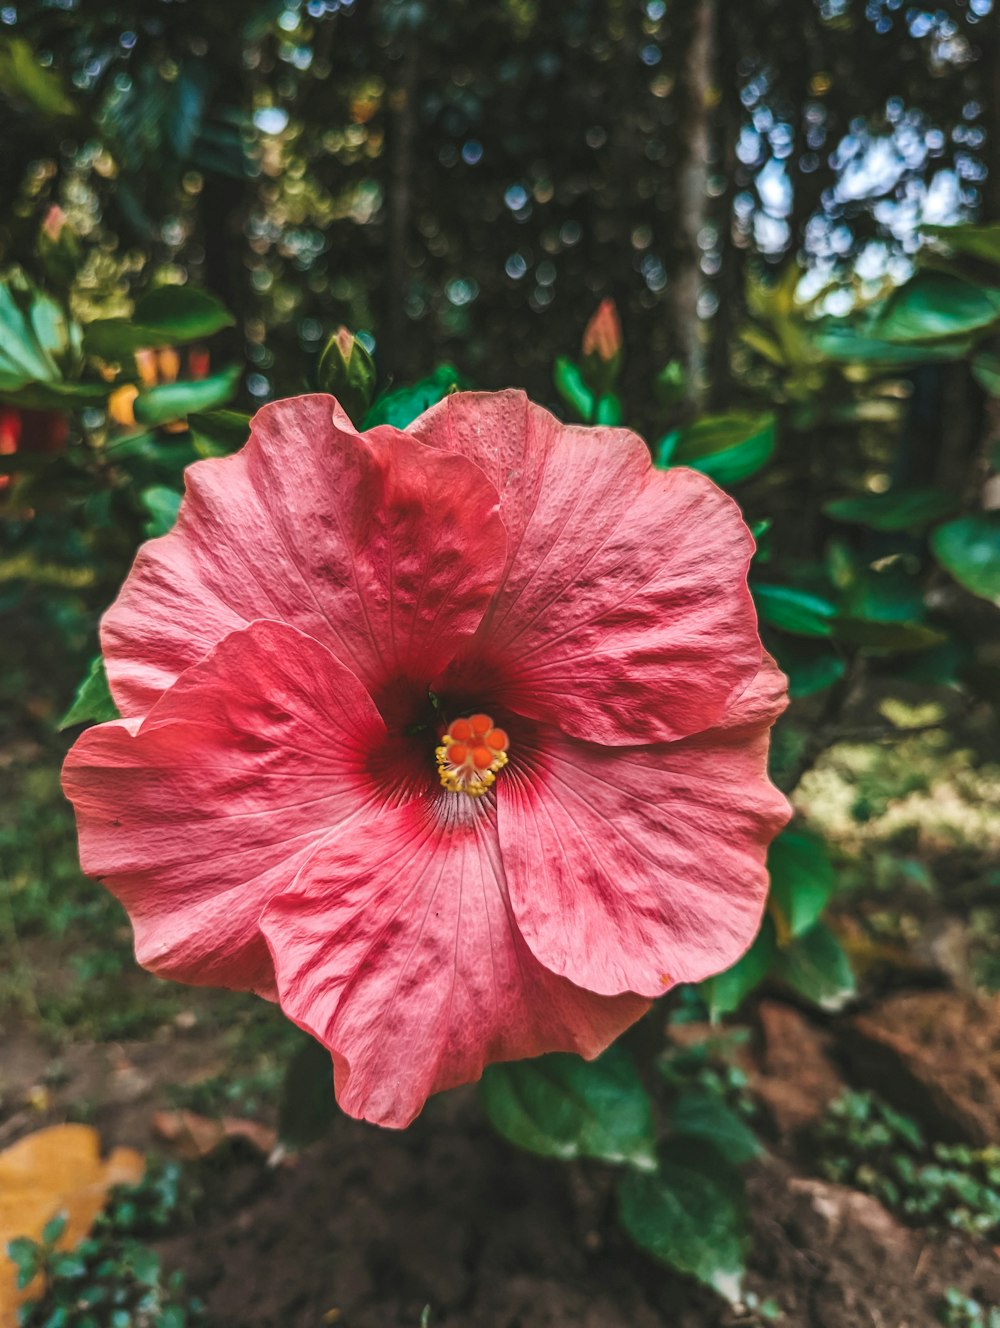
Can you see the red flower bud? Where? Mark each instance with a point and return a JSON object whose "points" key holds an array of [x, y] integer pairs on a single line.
{"points": [[602, 336]]}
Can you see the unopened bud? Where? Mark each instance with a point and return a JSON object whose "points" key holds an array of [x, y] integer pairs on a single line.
{"points": [[347, 371], [602, 347], [59, 247]]}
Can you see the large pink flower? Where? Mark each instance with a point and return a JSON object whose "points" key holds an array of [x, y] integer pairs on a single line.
{"points": [[451, 740]]}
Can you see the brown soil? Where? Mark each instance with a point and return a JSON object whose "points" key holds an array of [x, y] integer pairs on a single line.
{"points": [[370, 1226]]}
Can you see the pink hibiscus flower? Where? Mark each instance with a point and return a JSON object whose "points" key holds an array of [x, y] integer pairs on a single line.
{"points": [[451, 740]]}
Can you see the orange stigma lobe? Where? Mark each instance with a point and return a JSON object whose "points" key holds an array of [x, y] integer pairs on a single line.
{"points": [[471, 753]]}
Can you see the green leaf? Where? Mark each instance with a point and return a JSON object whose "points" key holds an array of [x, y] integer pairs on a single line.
{"points": [[609, 411], [816, 966], [727, 991], [162, 504], [25, 357], [702, 1114], [986, 372], [53, 1229], [562, 1106], [811, 666], [802, 881], [690, 1214], [936, 306], [844, 344], [670, 384], [167, 316], [570, 384], [26, 1256], [969, 549], [975, 241], [899, 509], [93, 703], [402, 405], [871, 634], [173, 401], [795, 611], [24, 80], [219, 432], [308, 1106], [728, 448]]}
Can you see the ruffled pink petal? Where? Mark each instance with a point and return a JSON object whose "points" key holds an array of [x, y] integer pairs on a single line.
{"points": [[636, 868], [197, 815], [624, 614], [397, 949], [384, 550]]}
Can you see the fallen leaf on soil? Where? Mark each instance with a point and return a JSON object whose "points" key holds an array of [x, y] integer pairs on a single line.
{"points": [[55, 1170], [196, 1136]]}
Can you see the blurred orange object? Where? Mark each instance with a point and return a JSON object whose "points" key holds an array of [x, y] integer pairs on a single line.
{"points": [[55, 1170]]}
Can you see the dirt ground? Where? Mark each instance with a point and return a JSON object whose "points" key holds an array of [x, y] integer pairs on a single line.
{"points": [[369, 1227]]}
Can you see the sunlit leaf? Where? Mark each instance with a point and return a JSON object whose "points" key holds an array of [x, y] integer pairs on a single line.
{"points": [[562, 1106], [872, 634], [25, 80]]}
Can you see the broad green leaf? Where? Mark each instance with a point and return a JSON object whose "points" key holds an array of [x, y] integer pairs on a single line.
{"points": [[569, 383], [562, 1106], [816, 966], [402, 405], [936, 306], [726, 991], [899, 509], [93, 703], [608, 411], [690, 1214], [219, 432], [162, 504], [796, 611], [702, 1114], [802, 881], [728, 448], [976, 241], [308, 1105], [169, 315], [872, 634], [811, 666], [843, 343], [986, 372], [23, 79], [24, 356], [969, 549], [173, 401]]}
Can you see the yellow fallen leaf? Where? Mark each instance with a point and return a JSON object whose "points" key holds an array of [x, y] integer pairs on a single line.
{"points": [[56, 1170]]}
